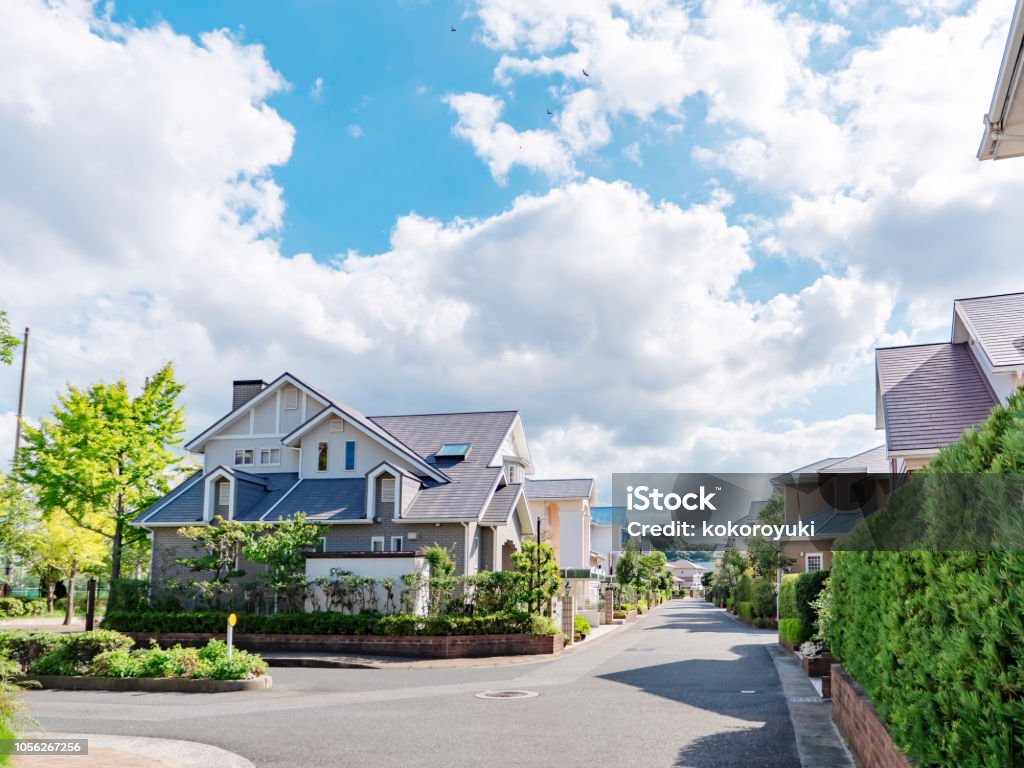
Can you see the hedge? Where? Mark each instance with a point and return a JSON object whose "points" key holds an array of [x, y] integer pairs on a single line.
{"points": [[320, 623], [808, 586], [745, 610], [53, 653], [787, 596], [936, 639], [793, 631]]}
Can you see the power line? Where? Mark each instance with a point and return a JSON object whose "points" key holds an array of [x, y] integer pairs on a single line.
{"points": [[121, 373]]}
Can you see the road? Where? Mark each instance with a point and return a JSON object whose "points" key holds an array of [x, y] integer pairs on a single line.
{"points": [[684, 686]]}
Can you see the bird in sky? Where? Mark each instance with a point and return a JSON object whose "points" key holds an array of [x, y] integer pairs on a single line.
{"points": [[453, 27], [585, 73], [550, 112]]}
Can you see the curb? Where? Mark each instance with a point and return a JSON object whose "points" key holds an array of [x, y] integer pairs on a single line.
{"points": [[148, 684], [163, 752]]}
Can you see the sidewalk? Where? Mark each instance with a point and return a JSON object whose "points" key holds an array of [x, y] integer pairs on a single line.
{"points": [[132, 752], [39, 624]]}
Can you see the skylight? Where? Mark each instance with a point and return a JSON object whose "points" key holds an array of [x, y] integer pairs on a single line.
{"points": [[452, 451]]}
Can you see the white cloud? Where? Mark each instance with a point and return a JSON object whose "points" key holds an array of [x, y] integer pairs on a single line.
{"points": [[355, 131], [137, 224], [316, 93], [633, 154]]}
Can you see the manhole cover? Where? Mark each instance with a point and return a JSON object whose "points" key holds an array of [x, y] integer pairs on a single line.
{"points": [[506, 695]]}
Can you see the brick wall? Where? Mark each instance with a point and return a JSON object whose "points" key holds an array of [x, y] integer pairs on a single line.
{"points": [[861, 725], [448, 647], [168, 545]]}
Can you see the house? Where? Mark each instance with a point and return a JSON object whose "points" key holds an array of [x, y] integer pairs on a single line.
{"points": [[686, 574], [1004, 123], [926, 395], [383, 485], [563, 508], [833, 494], [606, 527]]}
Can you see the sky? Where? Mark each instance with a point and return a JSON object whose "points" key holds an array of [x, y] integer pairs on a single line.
{"points": [[670, 234]]}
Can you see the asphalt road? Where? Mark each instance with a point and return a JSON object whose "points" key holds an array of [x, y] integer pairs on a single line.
{"points": [[684, 686]]}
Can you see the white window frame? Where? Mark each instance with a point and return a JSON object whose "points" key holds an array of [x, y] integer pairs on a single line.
{"points": [[374, 541], [291, 399], [223, 488], [399, 540], [335, 425], [271, 452], [371, 487], [243, 463], [807, 561]]}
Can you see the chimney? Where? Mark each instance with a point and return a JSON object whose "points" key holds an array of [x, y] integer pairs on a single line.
{"points": [[245, 390]]}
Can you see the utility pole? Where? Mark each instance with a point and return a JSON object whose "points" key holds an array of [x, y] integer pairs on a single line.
{"points": [[21, 398], [5, 587]]}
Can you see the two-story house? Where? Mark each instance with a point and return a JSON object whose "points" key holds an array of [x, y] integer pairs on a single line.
{"points": [[563, 508], [380, 484], [926, 395]]}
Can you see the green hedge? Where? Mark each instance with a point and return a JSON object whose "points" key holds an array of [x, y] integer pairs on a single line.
{"points": [[321, 623], [787, 596], [208, 663], [745, 610], [808, 586], [936, 639], [794, 631]]}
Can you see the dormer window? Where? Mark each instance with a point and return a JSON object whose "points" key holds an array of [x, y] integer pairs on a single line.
{"points": [[456, 451], [243, 457], [513, 474]]}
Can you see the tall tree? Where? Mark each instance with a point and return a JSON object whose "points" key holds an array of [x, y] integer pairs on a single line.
{"points": [[764, 554], [8, 341], [105, 455], [16, 517], [539, 568]]}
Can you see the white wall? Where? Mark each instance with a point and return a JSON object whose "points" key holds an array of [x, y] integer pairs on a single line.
{"points": [[377, 568], [369, 453]]}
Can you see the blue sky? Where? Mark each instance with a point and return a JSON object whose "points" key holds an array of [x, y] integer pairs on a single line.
{"points": [[689, 263]]}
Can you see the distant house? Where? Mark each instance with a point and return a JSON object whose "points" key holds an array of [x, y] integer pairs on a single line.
{"points": [[1004, 123], [606, 530], [686, 574], [383, 485], [833, 494], [926, 395], [563, 507]]}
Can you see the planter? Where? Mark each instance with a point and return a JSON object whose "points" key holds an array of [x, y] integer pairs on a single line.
{"points": [[859, 723], [786, 644], [424, 647], [817, 666], [150, 684]]}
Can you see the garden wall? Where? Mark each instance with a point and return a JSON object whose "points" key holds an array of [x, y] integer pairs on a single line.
{"points": [[861, 726], [432, 647]]}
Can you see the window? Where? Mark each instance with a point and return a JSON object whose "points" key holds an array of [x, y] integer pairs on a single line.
{"points": [[452, 451], [350, 455], [336, 425], [513, 473], [321, 457], [814, 563], [291, 399], [243, 457], [387, 490], [396, 543], [376, 543], [321, 544], [270, 456], [223, 494]]}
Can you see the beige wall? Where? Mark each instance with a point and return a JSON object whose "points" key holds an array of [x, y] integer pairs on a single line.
{"points": [[796, 551]]}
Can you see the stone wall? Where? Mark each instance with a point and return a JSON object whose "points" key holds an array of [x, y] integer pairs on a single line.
{"points": [[861, 725], [446, 647]]}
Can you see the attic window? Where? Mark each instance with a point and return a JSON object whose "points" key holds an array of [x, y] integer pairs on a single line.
{"points": [[452, 451]]}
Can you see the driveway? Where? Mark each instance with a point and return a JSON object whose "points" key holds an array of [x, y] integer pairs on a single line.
{"points": [[684, 686]]}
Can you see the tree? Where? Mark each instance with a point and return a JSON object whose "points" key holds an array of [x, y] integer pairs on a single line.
{"points": [[733, 566], [17, 513], [8, 342], [59, 550], [537, 564], [764, 554], [281, 548], [628, 566], [221, 543], [105, 455]]}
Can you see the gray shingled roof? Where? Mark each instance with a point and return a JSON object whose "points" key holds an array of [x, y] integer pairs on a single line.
{"points": [[998, 322], [471, 479], [930, 393], [276, 485], [828, 524], [872, 461], [324, 500], [184, 504], [573, 488], [502, 504]]}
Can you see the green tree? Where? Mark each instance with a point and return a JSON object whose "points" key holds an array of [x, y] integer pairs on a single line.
{"points": [[282, 548], [17, 512], [764, 554], [59, 551], [105, 455], [8, 342], [221, 544], [729, 573], [539, 569], [628, 566]]}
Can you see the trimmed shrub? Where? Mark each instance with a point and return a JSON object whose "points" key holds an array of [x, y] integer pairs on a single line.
{"points": [[74, 652], [744, 592], [580, 627], [34, 606], [25, 648], [128, 595], [11, 607], [808, 585], [210, 662], [543, 626], [745, 610], [764, 599], [793, 631], [641, 606], [787, 596]]}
